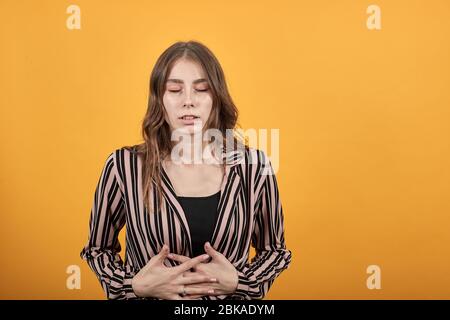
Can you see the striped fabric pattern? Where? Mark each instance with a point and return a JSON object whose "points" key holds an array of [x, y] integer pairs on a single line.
{"points": [[249, 213]]}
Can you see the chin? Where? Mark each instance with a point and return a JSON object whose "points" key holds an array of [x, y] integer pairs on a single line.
{"points": [[189, 129]]}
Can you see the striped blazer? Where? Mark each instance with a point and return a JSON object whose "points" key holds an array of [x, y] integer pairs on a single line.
{"points": [[249, 213]]}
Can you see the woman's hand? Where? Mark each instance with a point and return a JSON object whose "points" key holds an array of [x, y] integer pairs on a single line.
{"points": [[158, 281], [218, 268]]}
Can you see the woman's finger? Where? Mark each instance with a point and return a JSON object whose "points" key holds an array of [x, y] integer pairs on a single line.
{"points": [[181, 258], [191, 279], [191, 263], [201, 291], [186, 297], [178, 257], [195, 296]]}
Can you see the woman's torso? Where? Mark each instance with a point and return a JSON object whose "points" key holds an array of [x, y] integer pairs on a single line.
{"points": [[147, 232]]}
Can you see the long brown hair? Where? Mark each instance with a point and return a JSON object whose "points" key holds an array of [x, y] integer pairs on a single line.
{"points": [[156, 131]]}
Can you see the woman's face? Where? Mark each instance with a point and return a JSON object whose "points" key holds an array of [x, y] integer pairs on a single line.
{"points": [[187, 97]]}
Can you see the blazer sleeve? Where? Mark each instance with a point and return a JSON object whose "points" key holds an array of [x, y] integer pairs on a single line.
{"points": [[102, 248], [272, 256]]}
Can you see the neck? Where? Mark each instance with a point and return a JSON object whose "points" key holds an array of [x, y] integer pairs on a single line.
{"points": [[191, 149]]}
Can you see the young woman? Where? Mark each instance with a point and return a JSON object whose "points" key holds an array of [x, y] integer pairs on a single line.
{"points": [[193, 206]]}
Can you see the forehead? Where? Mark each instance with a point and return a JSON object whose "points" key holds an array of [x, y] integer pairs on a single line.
{"points": [[186, 70]]}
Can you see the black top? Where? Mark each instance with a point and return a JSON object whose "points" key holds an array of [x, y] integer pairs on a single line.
{"points": [[201, 215]]}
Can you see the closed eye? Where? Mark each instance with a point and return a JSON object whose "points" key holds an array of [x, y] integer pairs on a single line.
{"points": [[198, 90]]}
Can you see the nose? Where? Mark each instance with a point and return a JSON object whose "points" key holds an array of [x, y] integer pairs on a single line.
{"points": [[188, 100]]}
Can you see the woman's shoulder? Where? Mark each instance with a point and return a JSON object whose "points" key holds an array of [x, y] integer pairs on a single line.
{"points": [[128, 151], [254, 157], [123, 156], [254, 168]]}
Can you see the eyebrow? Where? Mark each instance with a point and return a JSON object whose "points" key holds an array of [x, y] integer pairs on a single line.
{"points": [[181, 81]]}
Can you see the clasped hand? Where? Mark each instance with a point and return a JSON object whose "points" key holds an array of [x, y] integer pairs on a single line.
{"points": [[192, 279]]}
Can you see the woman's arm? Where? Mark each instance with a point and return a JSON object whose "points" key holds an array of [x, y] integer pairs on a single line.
{"points": [[272, 256], [103, 247]]}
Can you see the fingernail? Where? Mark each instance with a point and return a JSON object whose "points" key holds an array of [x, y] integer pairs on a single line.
{"points": [[211, 291], [170, 255], [205, 257], [213, 280]]}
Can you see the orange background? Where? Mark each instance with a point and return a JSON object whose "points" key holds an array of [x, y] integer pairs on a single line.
{"points": [[363, 116]]}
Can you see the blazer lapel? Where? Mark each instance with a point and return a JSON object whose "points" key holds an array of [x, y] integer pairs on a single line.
{"points": [[230, 187], [172, 201]]}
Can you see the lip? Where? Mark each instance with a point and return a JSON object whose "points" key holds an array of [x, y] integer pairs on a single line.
{"points": [[189, 121]]}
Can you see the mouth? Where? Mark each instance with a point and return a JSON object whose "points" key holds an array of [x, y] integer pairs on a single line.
{"points": [[188, 117]]}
